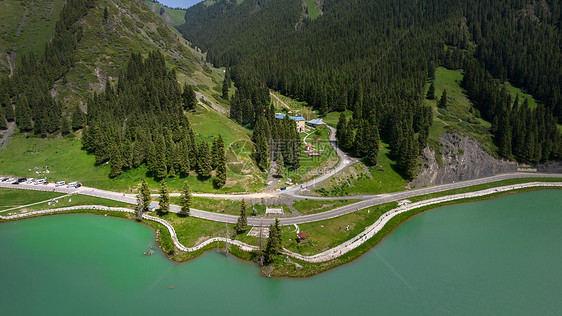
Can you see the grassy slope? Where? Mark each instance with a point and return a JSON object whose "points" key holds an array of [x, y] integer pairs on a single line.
{"points": [[514, 91], [457, 115], [332, 118], [25, 26], [354, 180], [313, 10], [172, 16]]}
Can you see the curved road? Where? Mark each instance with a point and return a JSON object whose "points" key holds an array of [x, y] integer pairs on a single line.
{"points": [[369, 200]]}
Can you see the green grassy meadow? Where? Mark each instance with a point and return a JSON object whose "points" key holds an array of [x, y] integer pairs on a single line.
{"points": [[306, 206], [332, 118], [459, 115], [354, 180], [10, 198], [514, 91], [313, 10], [66, 161], [326, 234]]}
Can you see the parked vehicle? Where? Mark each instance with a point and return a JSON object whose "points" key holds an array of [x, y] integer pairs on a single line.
{"points": [[283, 188], [30, 181], [72, 185], [60, 183], [39, 181], [20, 180]]}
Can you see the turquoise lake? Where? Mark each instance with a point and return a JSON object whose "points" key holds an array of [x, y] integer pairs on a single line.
{"points": [[501, 256]]}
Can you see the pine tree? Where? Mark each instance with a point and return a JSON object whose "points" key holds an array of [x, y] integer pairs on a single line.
{"points": [[8, 108], [115, 161], [66, 127], [3, 122], [220, 178], [78, 118], [140, 206], [23, 115], [359, 140], [341, 131], [189, 97], [105, 14], [185, 200], [431, 92], [225, 87], [443, 101], [280, 167], [145, 194], [160, 168], [185, 163], [371, 145], [204, 160], [273, 242], [215, 155], [164, 198], [242, 222]]}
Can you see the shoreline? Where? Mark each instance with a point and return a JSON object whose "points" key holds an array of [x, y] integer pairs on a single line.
{"points": [[341, 254]]}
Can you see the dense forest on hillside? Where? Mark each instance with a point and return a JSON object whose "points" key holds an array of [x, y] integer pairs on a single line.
{"points": [[26, 97], [374, 58], [142, 120]]}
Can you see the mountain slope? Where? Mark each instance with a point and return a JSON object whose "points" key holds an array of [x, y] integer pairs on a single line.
{"points": [[25, 26], [107, 44], [376, 58], [103, 46]]}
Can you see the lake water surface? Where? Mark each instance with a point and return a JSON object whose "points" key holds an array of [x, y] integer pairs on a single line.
{"points": [[502, 256]]}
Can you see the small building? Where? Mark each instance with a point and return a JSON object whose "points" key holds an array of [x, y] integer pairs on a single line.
{"points": [[274, 211], [313, 154], [301, 237], [298, 119], [315, 122], [307, 147]]}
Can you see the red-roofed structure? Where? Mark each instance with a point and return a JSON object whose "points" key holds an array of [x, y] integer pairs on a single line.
{"points": [[301, 237]]}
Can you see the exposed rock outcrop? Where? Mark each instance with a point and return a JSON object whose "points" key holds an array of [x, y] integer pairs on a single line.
{"points": [[463, 158], [550, 167]]}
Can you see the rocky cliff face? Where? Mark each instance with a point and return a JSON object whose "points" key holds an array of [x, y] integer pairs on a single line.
{"points": [[550, 167], [463, 159]]}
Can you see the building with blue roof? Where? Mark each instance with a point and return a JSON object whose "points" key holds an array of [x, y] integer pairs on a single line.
{"points": [[298, 119]]}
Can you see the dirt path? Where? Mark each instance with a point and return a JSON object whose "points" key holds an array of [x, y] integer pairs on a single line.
{"points": [[277, 98]]}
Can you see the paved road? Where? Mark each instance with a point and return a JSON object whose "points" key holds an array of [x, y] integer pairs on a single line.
{"points": [[369, 200]]}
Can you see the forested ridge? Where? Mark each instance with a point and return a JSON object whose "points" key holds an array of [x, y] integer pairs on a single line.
{"points": [[375, 57]]}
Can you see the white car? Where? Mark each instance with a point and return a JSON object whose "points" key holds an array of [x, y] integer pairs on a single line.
{"points": [[72, 185], [29, 181], [39, 181], [60, 183]]}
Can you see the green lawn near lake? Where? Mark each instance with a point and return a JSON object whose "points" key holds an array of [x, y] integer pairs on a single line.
{"points": [[10, 198]]}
